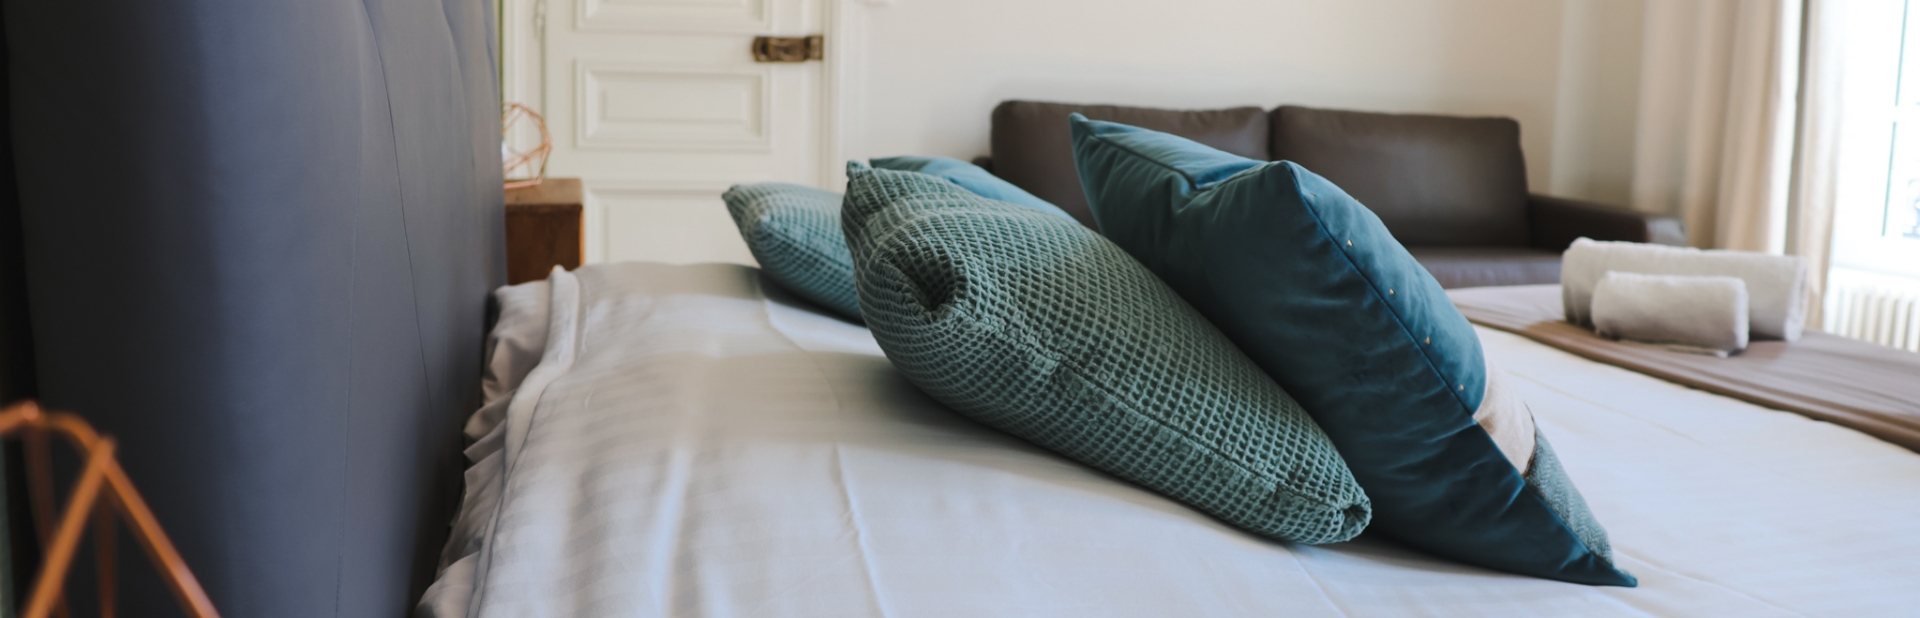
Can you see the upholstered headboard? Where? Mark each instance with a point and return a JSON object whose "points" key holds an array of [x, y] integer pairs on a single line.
{"points": [[259, 238]]}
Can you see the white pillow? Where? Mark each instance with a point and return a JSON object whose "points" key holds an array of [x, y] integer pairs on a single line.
{"points": [[515, 345]]}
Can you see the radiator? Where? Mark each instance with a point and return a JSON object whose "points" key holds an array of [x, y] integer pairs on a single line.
{"points": [[1873, 307]]}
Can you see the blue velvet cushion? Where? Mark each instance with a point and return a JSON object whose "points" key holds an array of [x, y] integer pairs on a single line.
{"points": [[969, 177], [1314, 289], [1035, 325]]}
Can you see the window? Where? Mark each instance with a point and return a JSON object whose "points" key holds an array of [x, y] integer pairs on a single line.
{"points": [[1901, 217], [1877, 217]]}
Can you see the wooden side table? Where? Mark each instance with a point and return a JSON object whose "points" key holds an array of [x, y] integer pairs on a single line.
{"points": [[545, 227]]}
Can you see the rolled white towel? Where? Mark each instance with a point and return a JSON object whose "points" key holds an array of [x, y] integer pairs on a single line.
{"points": [[1776, 284], [1694, 314]]}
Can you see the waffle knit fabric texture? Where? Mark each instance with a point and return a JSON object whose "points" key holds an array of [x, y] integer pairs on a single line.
{"points": [[794, 230], [1311, 285], [1034, 325], [794, 233], [970, 177]]}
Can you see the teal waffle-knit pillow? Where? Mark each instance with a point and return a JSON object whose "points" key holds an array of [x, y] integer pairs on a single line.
{"points": [[970, 177], [1037, 326], [1314, 289], [794, 233], [794, 230]]}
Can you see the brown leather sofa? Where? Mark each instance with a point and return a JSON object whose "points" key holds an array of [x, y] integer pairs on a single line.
{"points": [[1452, 189]]}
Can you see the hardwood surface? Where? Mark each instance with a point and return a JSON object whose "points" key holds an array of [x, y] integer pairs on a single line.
{"points": [[545, 228]]}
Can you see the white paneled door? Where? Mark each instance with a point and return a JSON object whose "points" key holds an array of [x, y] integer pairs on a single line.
{"points": [[659, 105]]}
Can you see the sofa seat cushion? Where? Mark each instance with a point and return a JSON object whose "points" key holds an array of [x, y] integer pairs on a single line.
{"points": [[1032, 148], [1472, 267]]}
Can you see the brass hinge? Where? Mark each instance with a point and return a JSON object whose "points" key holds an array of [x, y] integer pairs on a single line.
{"points": [[789, 48]]}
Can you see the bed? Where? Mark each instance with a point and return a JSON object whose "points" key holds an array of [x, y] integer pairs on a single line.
{"points": [[666, 440]]}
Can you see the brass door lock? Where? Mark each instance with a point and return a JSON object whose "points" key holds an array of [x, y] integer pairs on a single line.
{"points": [[788, 48]]}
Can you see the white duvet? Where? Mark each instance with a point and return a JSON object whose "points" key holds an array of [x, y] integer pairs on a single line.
{"points": [[693, 443]]}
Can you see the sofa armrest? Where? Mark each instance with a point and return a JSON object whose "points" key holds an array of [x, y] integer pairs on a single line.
{"points": [[1556, 221]]}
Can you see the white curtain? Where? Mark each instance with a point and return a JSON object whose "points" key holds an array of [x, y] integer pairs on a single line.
{"points": [[1817, 150], [1715, 134]]}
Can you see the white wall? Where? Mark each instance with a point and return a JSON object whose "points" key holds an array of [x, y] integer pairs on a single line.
{"points": [[1598, 101], [1564, 68]]}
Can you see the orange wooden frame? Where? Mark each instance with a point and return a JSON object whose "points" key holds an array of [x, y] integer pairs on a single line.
{"points": [[102, 491]]}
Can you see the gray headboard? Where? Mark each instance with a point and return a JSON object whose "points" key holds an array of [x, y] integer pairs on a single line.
{"points": [[259, 238]]}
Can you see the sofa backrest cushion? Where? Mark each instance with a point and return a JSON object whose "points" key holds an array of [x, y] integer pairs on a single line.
{"points": [[1033, 150], [1433, 180]]}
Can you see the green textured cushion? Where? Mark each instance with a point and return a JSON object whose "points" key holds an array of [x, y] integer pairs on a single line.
{"points": [[1035, 325], [970, 177], [794, 233], [1313, 288], [794, 230]]}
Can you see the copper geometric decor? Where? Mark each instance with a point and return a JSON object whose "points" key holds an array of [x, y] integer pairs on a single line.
{"points": [[102, 492], [523, 168]]}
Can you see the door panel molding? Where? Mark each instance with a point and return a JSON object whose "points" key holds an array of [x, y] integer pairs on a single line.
{"points": [[626, 106], [640, 16], [678, 222]]}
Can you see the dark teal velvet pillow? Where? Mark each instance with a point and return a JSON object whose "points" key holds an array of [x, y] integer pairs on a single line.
{"points": [[1037, 326], [794, 233], [1314, 289], [969, 177]]}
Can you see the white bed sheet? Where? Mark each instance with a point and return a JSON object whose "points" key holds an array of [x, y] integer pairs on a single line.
{"points": [[693, 443]]}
